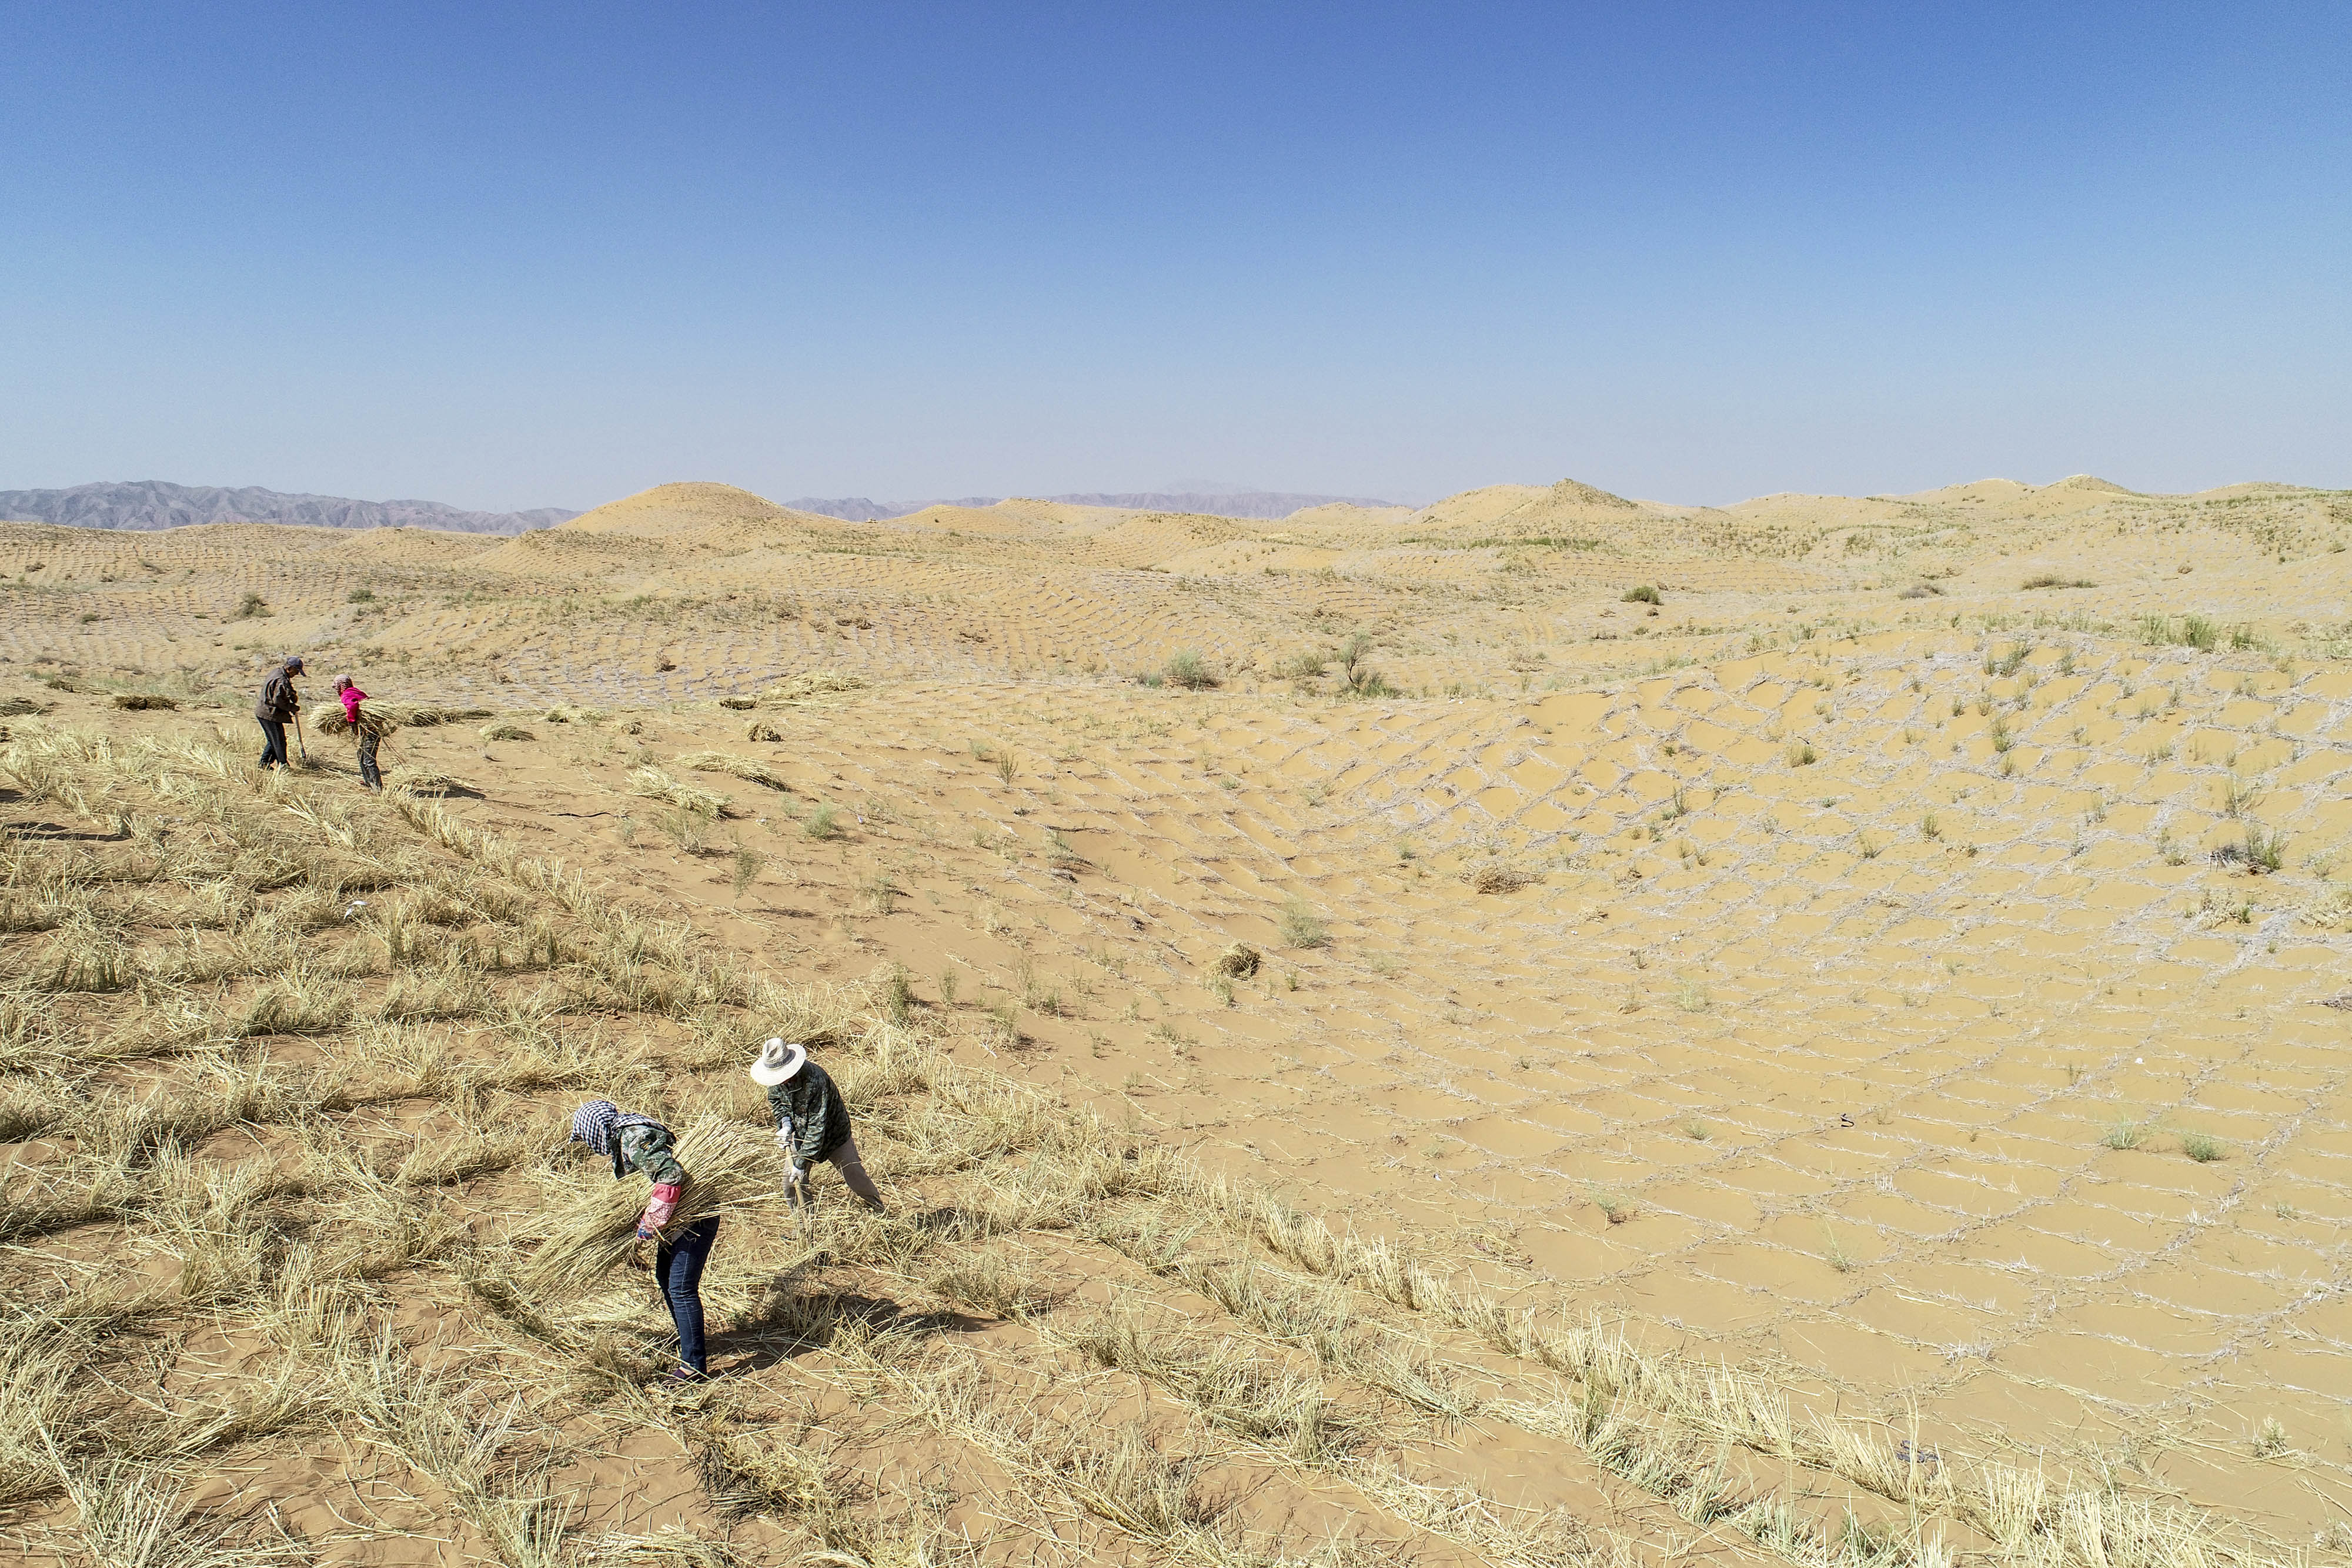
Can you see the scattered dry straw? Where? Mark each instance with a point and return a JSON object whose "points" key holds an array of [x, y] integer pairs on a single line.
{"points": [[747, 768], [1498, 876], [657, 785]]}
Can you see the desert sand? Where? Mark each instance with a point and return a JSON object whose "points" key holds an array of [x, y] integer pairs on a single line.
{"points": [[1810, 1032]]}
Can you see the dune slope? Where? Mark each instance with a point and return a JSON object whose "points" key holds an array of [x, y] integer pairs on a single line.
{"points": [[1836, 1056]]}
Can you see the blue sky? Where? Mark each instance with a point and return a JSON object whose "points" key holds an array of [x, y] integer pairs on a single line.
{"points": [[509, 256]]}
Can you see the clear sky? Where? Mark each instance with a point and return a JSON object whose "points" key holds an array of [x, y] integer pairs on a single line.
{"points": [[507, 255]]}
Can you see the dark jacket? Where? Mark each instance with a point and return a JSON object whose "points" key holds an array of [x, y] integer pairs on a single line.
{"points": [[808, 1106], [278, 701]]}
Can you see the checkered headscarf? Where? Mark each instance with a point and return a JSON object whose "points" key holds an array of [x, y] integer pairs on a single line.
{"points": [[594, 1124], [598, 1124]]}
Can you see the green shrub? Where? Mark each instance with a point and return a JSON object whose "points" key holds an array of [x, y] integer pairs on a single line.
{"points": [[748, 865], [1301, 666], [2264, 850], [1300, 927], [1644, 593], [2198, 632], [1357, 678], [2202, 1147], [1185, 669], [897, 993]]}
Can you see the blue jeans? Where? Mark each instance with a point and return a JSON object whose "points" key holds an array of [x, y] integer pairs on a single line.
{"points": [[678, 1264], [273, 742]]}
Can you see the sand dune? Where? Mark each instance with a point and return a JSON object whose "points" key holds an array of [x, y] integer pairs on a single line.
{"points": [[1899, 965]]}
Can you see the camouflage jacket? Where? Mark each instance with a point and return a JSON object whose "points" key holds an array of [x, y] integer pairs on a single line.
{"points": [[651, 1150], [811, 1113]]}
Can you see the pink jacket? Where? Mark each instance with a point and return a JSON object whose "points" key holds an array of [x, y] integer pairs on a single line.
{"points": [[351, 697]]}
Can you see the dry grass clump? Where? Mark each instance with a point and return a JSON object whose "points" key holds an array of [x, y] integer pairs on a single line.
{"points": [[1304, 666], [143, 702], [1238, 962], [1499, 876], [23, 707], [812, 685], [421, 716], [427, 781], [1187, 670], [749, 770], [762, 731], [585, 1228], [656, 785], [1300, 927], [505, 729]]}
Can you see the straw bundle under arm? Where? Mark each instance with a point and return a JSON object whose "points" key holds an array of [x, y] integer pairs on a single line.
{"points": [[730, 1169]]}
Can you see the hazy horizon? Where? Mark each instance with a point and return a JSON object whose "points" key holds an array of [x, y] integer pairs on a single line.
{"points": [[1208, 489], [1692, 252]]}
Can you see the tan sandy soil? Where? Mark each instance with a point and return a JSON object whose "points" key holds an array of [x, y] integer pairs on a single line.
{"points": [[1887, 989]]}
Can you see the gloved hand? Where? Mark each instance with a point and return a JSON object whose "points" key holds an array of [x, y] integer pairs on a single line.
{"points": [[784, 1139], [798, 1175]]}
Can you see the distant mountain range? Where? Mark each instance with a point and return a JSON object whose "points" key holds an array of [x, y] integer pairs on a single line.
{"points": [[156, 504], [153, 504], [1222, 504]]}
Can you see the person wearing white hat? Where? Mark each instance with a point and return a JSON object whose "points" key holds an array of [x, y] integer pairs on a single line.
{"points": [[812, 1119]]}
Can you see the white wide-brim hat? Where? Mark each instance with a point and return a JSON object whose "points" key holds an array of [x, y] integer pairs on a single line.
{"points": [[777, 1061]]}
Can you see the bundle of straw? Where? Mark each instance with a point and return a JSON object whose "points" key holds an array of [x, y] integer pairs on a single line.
{"points": [[328, 717], [655, 784], [731, 1171], [420, 715], [426, 782], [811, 684], [750, 769]]}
